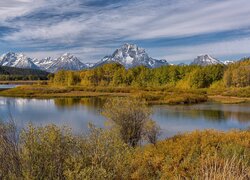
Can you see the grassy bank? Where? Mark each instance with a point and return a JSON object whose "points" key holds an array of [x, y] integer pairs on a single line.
{"points": [[151, 95], [228, 99], [161, 95]]}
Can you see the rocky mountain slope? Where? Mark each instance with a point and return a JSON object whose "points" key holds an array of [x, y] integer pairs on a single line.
{"points": [[204, 60], [130, 55], [17, 60], [65, 62]]}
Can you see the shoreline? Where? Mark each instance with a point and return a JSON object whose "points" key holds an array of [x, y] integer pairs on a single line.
{"points": [[154, 96]]}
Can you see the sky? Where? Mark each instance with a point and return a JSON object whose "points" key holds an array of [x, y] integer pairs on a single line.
{"points": [[175, 30]]}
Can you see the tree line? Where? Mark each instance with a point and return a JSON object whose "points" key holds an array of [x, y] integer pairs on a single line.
{"points": [[13, 74], [187, 76]]}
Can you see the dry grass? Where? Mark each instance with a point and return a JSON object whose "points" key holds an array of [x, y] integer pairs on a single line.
{"points": [[225, 169], [229, 100], [185, 98], [151, 95]]}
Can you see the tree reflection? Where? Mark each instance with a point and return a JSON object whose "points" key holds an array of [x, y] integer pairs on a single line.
{"points": [[67, 103]]}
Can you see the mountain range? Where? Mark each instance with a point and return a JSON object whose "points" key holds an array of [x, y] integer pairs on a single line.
{"points": [[129, 55]]}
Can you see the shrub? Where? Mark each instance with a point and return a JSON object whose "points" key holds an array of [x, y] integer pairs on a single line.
{"points": [[183, 155], [100, 155], [129, 117], [10, 165], [45, 152]]}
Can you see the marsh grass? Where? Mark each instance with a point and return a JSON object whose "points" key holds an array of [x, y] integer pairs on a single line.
{"points": [[224, 169], [164, 95]]}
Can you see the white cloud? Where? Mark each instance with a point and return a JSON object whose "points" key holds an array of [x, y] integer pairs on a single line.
{"points": [[218, 49], [16, 8], [143, 20], [97, 27]]}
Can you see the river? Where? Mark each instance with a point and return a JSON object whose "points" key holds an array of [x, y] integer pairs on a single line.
{"points": [[76, 113]]}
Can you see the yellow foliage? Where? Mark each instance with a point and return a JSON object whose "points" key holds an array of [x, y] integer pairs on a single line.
{"points": [[182, 155]]}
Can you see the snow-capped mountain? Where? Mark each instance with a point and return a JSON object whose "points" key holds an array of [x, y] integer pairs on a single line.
{"points": [[45, 63], [130, 55], [66, 62], [17, 60], [90, 65], [228, 62], [204, 60]]}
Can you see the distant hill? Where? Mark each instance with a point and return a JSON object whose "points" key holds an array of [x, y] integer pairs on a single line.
{"points": [[12, 73]]}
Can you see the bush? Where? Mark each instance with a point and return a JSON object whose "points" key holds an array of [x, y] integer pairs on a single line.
{"points": [[100, 155], [129, 117], [51, 152], [46, 151], [10, 166], [183, 156]]}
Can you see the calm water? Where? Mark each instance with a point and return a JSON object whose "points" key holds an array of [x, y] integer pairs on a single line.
{"points": [[7, 86], [77, 113]]}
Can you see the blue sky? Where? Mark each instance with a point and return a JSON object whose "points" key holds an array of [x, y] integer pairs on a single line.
{"points": [[175, 30]]}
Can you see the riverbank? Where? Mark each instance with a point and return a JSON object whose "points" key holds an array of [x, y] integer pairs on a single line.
{"points": [[151, 95], [44, 82], [228, 99]]}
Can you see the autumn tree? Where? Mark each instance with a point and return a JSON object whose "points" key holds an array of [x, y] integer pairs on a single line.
{"points": [[129, 117]]}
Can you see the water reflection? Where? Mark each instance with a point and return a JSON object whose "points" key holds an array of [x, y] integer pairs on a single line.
{"points": [[77, 112], [209, 111], [7, 86], [94, 103]]}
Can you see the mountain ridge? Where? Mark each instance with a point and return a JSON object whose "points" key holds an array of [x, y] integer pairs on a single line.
{"points": [[17, 60], [128, 55]]}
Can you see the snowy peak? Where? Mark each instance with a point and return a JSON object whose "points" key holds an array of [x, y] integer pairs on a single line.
{"points": [[130, 55], [66, 62], [204, 60], [227, 62], [18, 60], [90, 65], [45, 63], [67, 57]]}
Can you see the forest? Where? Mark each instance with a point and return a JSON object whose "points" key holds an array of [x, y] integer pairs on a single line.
{"points": [[14, 74], [184, 77]]}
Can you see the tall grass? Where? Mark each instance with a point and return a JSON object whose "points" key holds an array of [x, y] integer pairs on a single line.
{"points": [[224, 169]]}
